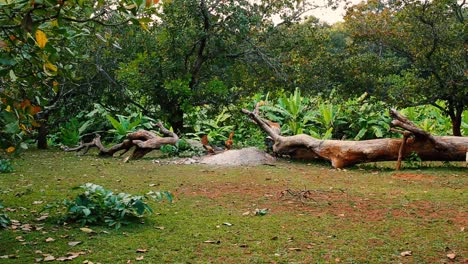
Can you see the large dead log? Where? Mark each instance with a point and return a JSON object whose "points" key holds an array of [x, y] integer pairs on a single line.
{"points": [[346, 153], [144, 142]]}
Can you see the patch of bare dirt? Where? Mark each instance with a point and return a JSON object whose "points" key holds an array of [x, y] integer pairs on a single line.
{"points": [[239, 157], [323, 202], [413, 177]]}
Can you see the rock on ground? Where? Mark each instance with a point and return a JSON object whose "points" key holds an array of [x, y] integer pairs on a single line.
{"points": [[246, 156]]}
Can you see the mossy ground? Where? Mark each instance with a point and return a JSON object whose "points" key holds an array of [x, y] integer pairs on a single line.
{"points": [[367, 214]]}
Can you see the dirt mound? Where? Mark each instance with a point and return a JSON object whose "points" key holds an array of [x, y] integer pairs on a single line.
{"points": [[238, 157]]}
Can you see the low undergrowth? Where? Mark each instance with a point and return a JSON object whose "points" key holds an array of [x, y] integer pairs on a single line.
{"points": [[310, 213]]}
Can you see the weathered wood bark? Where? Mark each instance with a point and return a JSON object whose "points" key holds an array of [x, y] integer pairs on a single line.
{"points": [[347, 153], [144, 142]]}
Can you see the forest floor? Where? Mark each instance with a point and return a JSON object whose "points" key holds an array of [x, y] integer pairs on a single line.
{"points": [[313, 213]]}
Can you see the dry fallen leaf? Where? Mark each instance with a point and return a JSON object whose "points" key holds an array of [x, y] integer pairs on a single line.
{"points": [[26, 227], [406, 253], [62, 259], [212, 242], [20, 238], [74, 243], [140, 258], [87, 230], [49, 258], [451, 256], [42, 217], [141, 250], [49, 239], [160, 227], [37, 202], [246, 213]]}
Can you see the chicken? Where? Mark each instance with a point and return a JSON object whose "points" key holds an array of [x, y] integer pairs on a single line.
{"points": [[228, 143], [206, 145]]}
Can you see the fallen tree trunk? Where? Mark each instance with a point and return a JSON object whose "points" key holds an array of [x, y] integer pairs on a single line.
{"points": [[144, 142], [346, 153]]}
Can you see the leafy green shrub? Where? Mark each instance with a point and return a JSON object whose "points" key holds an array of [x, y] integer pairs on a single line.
{"points": [[364, 118], [4, 219], [413, 160], [215, 127], [97, 205], [289, 111], [169, 150], [16, 124], [433, 120], [181, 149], [324, 120], [71, 131], [127, 124], [5, 166]]}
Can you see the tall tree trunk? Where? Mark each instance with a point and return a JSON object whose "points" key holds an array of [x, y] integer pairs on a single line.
{"points": [[43, 132], [456, 125], [177, 120], [456, 118]]}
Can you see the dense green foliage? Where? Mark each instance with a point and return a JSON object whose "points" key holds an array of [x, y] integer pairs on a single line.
{"points": [[70, 68], [97, 205]]}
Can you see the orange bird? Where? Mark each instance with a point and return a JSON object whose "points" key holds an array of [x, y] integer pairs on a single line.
{"points": [[206, 145], [229, 142]]}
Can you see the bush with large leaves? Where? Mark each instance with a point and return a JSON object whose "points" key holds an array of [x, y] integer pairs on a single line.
{"points": [[97, 205]]}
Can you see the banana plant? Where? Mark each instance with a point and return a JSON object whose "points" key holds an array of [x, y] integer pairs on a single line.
{"points": [[215, 127], [71, 131], [124, 125], [289, 111], [321, 123]]}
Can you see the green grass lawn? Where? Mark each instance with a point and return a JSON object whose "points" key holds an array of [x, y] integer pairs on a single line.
{"points": [[367, 214]]}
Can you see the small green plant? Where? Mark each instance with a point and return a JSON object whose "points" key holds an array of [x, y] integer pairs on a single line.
{"points": [[127, 124], [4, 219], [97, 205], [71, 131], [5, 166], [413, 160], [169, 150], [181, 149], [215, 127]]}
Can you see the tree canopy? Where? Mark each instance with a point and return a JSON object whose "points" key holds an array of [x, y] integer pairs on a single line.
{"points": [[166, 59]]}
